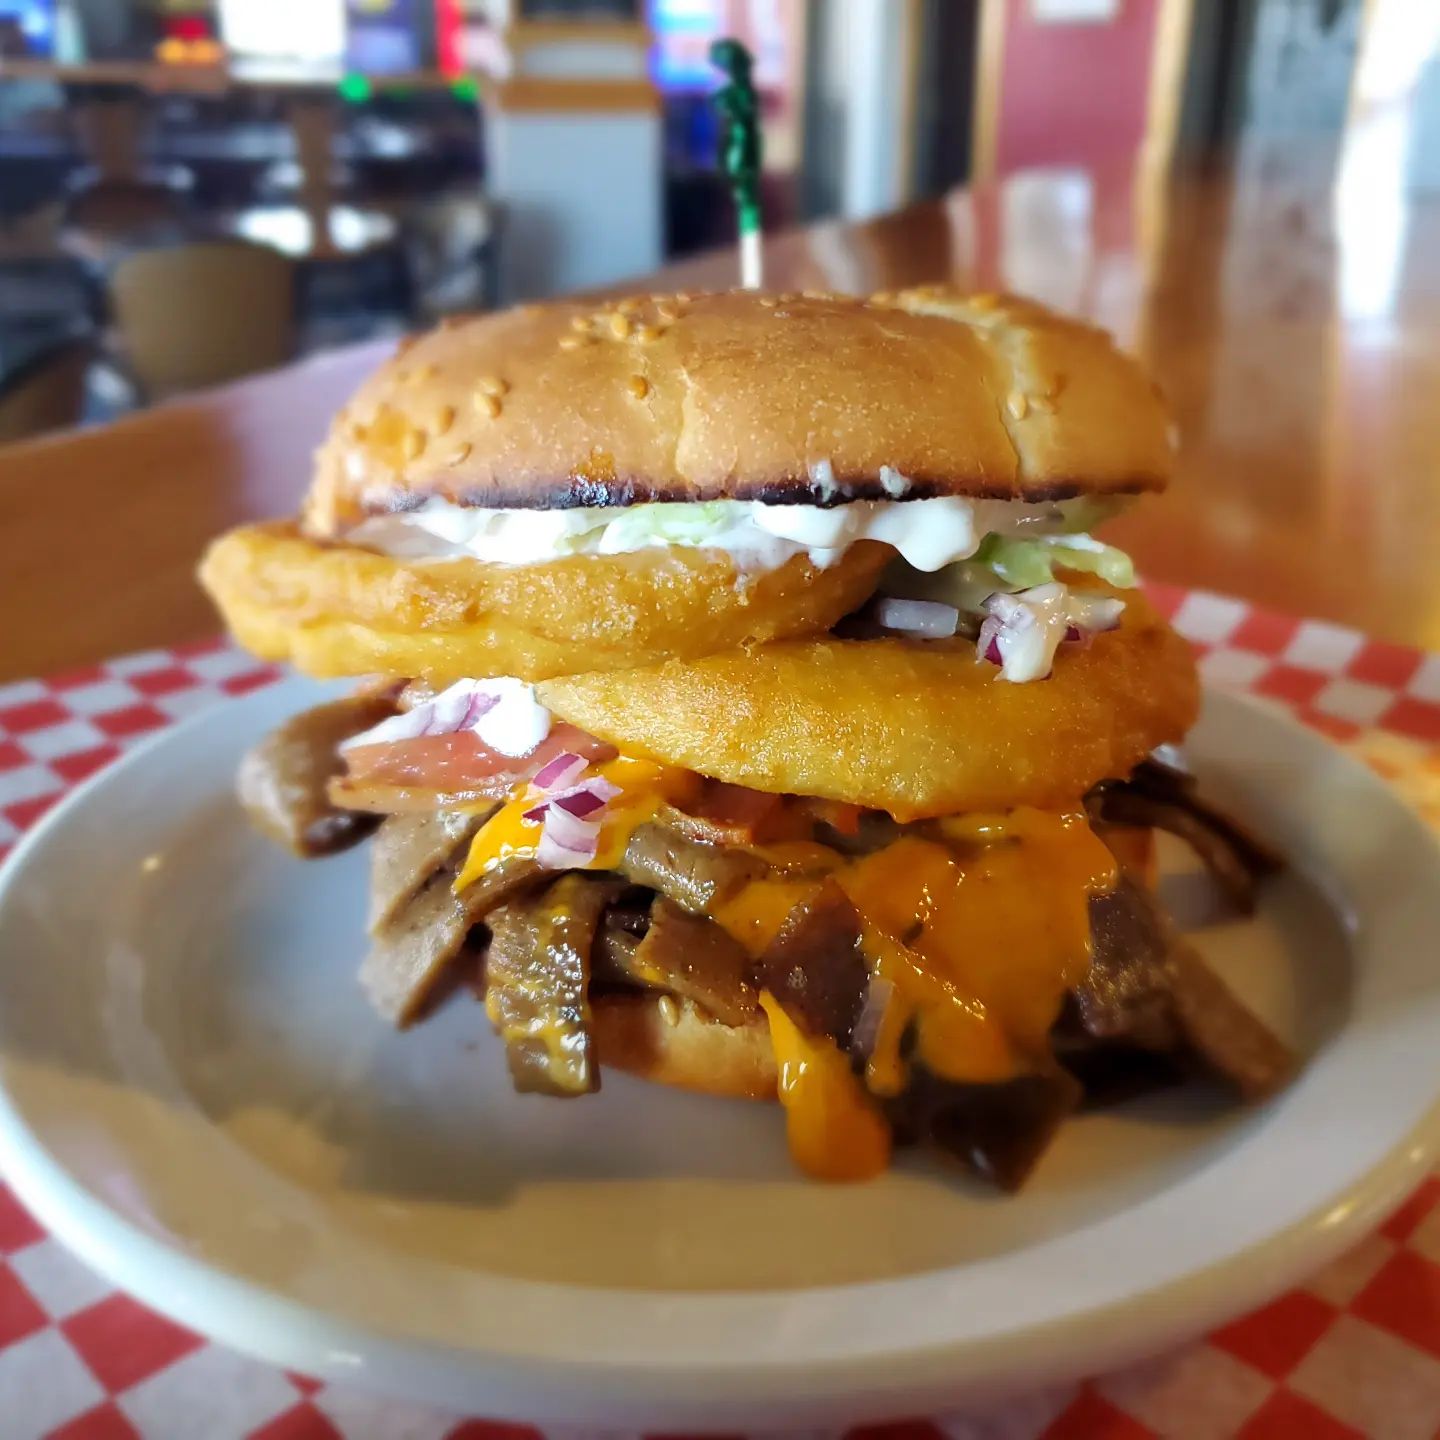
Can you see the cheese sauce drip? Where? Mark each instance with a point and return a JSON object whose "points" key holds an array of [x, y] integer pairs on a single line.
{"points": [[979, 932], [644, 787], [835, 1130]]}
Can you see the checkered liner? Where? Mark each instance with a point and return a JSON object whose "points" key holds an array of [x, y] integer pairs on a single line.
{"points": [[1355, 1352]]}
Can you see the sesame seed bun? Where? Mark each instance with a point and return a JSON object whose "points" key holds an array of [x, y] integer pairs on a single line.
{"points": [[672, 1042], [784, 399]]}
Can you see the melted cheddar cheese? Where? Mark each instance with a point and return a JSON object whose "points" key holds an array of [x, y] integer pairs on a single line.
{"points": [[980, 944], [835, 1130], [979, 933], [644, 787]]}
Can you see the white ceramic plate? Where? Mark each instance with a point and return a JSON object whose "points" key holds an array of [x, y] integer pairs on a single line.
{"points": [[194, 1096]]}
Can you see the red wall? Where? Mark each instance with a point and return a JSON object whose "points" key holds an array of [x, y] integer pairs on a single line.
{"points": [[1073, 94]]}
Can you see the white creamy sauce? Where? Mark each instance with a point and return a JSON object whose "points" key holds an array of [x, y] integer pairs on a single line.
{"points": [[929, 534], [501, 710]]}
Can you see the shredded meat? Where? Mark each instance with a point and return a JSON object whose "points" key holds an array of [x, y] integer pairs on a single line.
{"points": [[997, 1131], [1149, 991], [414, 949], [282, 782], [815, 968], [692, 957], [1167, 799], [689, 872], [537, 977], [408, 850]]}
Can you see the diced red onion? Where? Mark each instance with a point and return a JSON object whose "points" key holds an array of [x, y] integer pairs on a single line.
{"points": [[459, 707], [1022, 631], [583, 799], [565, 769], [580, 804], [566, 841], [930, 618], [987, 643], [1094, 614], [866, 1030]]}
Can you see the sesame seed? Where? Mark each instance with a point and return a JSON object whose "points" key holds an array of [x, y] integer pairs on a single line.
{"points": [[412, 442], [575, 342], [667, 310], [487, 405], [461, 453], [619, 325], [766, 302], [582, 323], [669, 1010], [639, 386], [683, 297], [444, 419], [492, 385], [1016, 404]]}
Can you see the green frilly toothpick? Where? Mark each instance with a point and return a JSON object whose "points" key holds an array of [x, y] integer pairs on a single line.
{"points": [[740, 149]]}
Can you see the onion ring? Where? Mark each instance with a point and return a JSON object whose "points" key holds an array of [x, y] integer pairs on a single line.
{"points": [[339, 610], [918, 728]]}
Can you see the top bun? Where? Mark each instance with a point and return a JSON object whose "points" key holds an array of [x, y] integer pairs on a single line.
{"points": [[814, 399]]}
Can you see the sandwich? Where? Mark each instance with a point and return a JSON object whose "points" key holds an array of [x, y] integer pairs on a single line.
{"points": [[744, 701]]}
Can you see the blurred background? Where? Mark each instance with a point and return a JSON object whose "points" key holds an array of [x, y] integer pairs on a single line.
{"points": [[192, 190]]}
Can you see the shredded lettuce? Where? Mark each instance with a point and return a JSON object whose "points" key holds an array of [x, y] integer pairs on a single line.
{"points": [[639, 525], [1023, 564]]}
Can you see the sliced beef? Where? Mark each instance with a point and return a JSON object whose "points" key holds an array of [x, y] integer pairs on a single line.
{"points": [[1225, 1037], [414, 948], [692, 957], [412, 951], [997, 1130], [730, 815], [1167, 799], [612, 961], [537, 975], [815, 967], [689, 872], [1149, 993], [1127, 994], [408, 850], [873, 830], [282, 782]]}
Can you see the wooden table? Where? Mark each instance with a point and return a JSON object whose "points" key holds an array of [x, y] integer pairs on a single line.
{"points": [[1295, 327]]}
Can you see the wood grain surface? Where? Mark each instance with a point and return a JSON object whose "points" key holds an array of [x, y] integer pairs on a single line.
{"points": [[1290, 310]]}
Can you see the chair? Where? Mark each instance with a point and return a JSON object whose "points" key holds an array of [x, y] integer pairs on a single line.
{"points": [[47, 392], [202, 313], [116, 208], [452, 253]]}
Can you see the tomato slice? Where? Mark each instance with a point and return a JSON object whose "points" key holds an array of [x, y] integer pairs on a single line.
{"points": [[463, 761]]}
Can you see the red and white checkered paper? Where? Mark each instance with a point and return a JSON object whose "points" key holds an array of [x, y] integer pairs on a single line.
{"points": [[1354, 1352]]}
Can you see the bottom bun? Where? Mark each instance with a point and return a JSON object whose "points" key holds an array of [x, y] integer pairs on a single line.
{"points": [[690, 1050]]}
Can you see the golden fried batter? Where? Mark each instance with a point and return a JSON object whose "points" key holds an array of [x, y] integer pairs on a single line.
{"points": [[340, 610], [915, 727]]}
